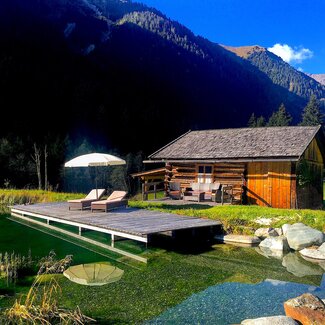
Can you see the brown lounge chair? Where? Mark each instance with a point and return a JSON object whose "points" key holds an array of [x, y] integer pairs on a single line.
{"points": [[115, 200], [81, 204]]}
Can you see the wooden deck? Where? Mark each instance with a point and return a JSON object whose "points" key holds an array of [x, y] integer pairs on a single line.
{"points": [[131, 223]]}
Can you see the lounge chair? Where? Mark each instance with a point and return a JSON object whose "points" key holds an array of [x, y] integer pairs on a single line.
{"points": [[81, 204], [115, 200], [175, 190]]}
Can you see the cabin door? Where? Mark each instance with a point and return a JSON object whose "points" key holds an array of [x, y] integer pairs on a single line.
{"points": [[279, 181]]}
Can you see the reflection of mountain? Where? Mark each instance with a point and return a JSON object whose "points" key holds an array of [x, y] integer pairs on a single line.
{"points": [[125, 74]]}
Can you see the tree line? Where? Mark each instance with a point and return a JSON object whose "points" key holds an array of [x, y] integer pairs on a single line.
{"points": [[311, 115], [30, 164]]}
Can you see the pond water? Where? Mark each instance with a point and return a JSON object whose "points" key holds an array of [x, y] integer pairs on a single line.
{"points": [[230, 303], [178, 285]]}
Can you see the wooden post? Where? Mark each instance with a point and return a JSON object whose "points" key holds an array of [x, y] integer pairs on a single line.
{"points": [[155, 191], [168, 167], [112, 240], [142, 190], [45, 169], [80, 230], [222, 191]]}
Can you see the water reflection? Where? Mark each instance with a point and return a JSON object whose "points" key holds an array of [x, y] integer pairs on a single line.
{"points": [[294, 262], [278, 254], [299, 267]]}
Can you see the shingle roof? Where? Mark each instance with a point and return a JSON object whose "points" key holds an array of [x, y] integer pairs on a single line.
{"points": [[243, 143]]}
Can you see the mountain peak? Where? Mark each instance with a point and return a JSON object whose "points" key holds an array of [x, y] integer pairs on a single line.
{"points": [[245, 51], [320, 77]]}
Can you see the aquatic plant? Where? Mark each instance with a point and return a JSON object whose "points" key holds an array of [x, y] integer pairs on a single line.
{"points": [[50, 265], [12, 264]]}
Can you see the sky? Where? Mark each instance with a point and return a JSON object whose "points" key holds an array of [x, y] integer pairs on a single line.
{"points": [[292, 29]]}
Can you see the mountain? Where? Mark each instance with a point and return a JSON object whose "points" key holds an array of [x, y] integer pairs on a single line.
{"points": [[280, 72], [318, 77], [126, 76]]}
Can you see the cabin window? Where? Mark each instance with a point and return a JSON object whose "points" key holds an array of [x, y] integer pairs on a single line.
{"points": [[205, 174]]}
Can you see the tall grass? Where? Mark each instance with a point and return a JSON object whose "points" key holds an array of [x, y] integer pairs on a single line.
{"points": [[10, 197], [12, 264], [40, 306]]}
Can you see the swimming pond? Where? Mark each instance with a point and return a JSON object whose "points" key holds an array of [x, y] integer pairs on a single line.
{"points": [[173, 277]]}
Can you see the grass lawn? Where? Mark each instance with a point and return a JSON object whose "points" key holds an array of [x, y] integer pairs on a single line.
{"points": [[240, 218]]}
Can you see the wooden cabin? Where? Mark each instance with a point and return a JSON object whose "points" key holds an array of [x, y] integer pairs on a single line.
{"points": [[279, 167]]}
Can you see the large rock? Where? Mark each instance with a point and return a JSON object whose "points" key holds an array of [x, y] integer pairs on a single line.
{"points": [[317, 253], [242, 239], [272, 320], [285, 228], [279, 231], [266, 232], [321, 248], [306, 309], [320, 263], [300, 236], [278, 243]]}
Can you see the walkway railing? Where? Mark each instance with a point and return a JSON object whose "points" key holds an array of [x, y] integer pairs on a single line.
{"points": [[153, 187]]}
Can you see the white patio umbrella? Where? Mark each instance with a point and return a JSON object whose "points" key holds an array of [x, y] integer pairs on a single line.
{"points": [[95, 160]]}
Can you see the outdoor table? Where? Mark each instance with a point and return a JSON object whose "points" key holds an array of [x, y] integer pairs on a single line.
{"points": [[197, 196]]}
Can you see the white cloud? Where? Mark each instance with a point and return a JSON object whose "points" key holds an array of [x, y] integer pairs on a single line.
{"points": [[289, 54], [300, 69]]}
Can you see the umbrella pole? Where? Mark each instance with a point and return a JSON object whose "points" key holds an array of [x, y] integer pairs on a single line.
{"points": [[96, 182]]}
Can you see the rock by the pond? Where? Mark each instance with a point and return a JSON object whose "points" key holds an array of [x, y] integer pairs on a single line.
{"points": [[314, 252], [321, 248], [285, 228], [271, 320], [242, 239], [298, 267], [320, 263], [278, 243], [279, 231], [266, 232], [306, 309], [300, 236]]}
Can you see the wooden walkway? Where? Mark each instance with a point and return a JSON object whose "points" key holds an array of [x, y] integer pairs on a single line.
{"points": [[131, 223]]}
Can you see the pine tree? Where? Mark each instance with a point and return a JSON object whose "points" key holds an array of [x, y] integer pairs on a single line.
{"points": [[252, 121], [280, 118], [260, 121], [311, 114]]}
